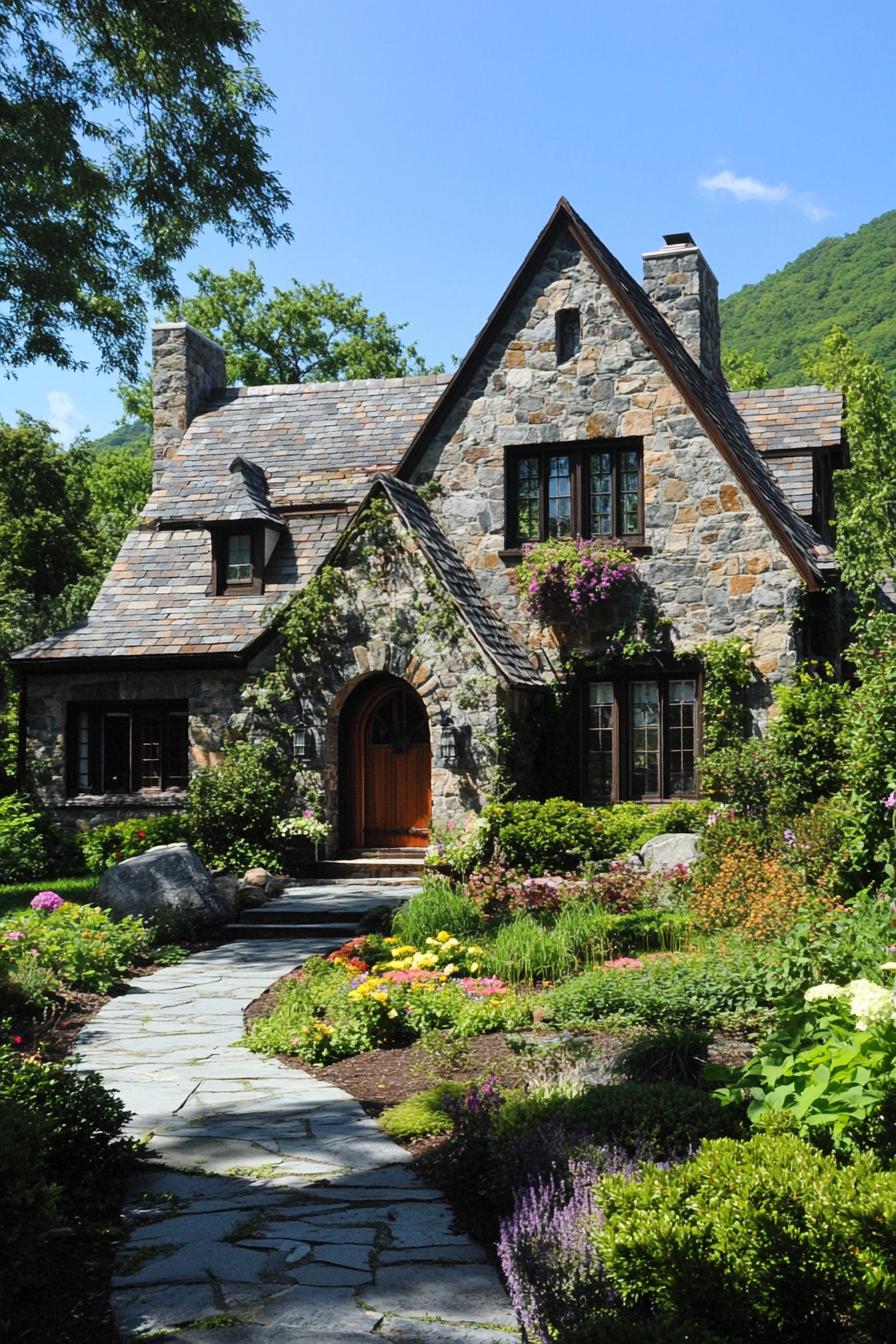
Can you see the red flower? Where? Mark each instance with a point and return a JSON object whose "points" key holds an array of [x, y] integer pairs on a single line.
{"points": [[141, 835], [18, 1040]]}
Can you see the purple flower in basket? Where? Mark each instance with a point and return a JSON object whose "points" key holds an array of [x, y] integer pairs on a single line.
{"points": [[46, 900]]}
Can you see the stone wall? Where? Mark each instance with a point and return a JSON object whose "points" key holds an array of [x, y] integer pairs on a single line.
{"points": [[186, 365], [679, 282], [710, 563]]}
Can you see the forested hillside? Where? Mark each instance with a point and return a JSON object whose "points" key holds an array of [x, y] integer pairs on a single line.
{"points": [[848, 282]]}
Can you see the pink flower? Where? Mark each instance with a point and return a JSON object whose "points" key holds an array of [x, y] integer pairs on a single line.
{"points": [[46, 900], [14, 935], [890, 800], [624, 964], [308, 812]]}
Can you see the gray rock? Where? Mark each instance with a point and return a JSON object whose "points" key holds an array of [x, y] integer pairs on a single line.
{"points": [[167, 879], [669, 849]]}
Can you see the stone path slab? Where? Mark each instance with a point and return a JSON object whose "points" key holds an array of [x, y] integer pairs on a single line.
{"points": [[276, 1211]]}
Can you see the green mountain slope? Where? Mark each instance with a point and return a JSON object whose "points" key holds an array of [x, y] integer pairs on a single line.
{"points": [[134, 436], [848, 282]]}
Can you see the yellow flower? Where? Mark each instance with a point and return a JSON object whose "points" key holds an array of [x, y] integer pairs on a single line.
{"points": [[390, 942], [424, 961], [474, 967], [441, 937], [393, 1012], [450, 969], [380, 995], [474, 951], [406, 950]]}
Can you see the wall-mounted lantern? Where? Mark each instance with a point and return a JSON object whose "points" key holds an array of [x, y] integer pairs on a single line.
{"points": [[453, 743], [303, 743]]}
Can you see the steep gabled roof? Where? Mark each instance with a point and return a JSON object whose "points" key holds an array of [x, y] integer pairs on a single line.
{"points": [[709, 403], [487, 629]]}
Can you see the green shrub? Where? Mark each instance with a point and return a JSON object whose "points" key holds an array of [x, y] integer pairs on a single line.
{"points": [[233, 809], [104, 846], [660, 1119], [673, 1055], [79, 944], [23, 843], [422, 1114], [28, 1206], [79, 1126], [554, 836], [749, 1242], [741, 774], [690, 990], [804, 739], [439, 905]]}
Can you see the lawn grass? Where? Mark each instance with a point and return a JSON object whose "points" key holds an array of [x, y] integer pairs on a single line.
{"points": [[16, 895]]}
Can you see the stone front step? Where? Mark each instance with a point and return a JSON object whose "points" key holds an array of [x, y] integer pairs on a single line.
{"points": [[372, 867], [318, 911]]}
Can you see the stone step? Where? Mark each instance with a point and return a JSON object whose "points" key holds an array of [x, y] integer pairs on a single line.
{"points": [[306, 912], [354, 869], [338, 933]]}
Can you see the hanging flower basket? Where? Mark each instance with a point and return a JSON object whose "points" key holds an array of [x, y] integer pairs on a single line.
{"points": [[572, 579]]}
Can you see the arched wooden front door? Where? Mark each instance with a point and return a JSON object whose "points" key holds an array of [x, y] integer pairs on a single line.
{"points": [[386, 767]]}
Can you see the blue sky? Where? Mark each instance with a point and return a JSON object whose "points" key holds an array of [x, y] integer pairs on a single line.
{"points": [[424, 145]]}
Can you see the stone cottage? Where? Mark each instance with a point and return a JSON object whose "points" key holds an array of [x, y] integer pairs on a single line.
{"points": [[589, 406]]}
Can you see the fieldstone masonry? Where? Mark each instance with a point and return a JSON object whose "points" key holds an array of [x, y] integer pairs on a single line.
{"points": [[709, 558], [186, 366]]}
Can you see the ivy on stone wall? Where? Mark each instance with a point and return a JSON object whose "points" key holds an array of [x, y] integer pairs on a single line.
{"points": [[727, 674]]}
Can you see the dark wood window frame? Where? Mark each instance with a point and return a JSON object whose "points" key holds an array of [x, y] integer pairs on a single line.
{"points": [[825, 461], [89, 756], [580, 454], [622, 680], [221, 535]]}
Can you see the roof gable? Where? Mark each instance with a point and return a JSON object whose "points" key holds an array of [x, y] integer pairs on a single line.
{"points": [[707, 401]]}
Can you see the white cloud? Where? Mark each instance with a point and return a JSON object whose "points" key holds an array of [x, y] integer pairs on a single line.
{"points": [[751, 189], [64, 415]]}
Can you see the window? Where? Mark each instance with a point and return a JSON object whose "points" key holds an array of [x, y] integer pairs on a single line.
{"points": [[641, 736], [237, 559], [124, 748], [590, 489], [568, 334]]}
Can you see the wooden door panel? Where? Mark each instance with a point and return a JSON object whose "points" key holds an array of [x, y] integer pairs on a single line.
{"points": [[396, 803]]}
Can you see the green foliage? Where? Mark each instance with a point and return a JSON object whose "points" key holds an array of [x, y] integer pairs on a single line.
{"points": [[421, 1115], [128, 130], [438, 905], [233, 809], [584, 934], [132, 435], [302, 334], [866, 493], [29, 1210], [825, 1075], [869, 741], [23, 845], [742, 775], [104, 846], [673, 1055], [693, 990], [118, 483], [804, 740], [665, 1118], [744, 371], [747, 1242], [80, 945], [567, 578], [311, 628], [727, 673], [846, 282], [554, 836], [16, 895]]}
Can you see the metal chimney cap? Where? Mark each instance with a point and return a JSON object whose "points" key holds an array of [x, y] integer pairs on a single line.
{"points": [[678, 240]]}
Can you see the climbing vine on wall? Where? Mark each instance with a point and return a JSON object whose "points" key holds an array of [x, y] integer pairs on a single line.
{"points": [[727, 674]]}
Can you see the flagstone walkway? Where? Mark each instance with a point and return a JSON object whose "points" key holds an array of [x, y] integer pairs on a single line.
{"points": [[280, 1213]]}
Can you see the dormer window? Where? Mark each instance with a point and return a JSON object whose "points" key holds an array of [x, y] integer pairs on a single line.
{"points": [[568, 338], [239, 558]]}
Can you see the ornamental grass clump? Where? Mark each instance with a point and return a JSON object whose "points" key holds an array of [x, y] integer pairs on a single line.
{"points": [[569, 577]]}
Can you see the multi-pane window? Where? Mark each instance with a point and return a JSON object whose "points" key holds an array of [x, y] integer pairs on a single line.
{"points": [[641, 737], [239, 557], [125, 748], [584, 489]]}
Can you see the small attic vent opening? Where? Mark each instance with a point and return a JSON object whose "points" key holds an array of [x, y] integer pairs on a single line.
{"points": [[568, 337]]}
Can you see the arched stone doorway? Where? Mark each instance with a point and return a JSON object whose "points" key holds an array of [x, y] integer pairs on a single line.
{"points": [[385, 766]]}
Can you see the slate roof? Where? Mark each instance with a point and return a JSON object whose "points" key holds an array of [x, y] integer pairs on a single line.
{"points": [[488, 630], [709, 403], [791, 419], [312, 447]]}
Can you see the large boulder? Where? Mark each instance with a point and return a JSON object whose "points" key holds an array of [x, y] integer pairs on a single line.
{"points": [[670, 849], [167, 879]]}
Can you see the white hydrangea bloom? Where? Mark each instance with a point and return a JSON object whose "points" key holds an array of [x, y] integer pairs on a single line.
{"points": [[826, 991], [869, 1002]]}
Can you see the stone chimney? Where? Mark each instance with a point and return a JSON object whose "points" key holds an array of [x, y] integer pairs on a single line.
{"points": [[185, 367], [680, 284]]}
